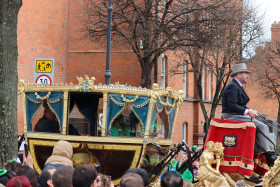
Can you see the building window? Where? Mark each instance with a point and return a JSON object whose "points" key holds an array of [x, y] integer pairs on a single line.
{"points": [[185, 132], [162, 82], [203, 82], [185, 78], [210, 83]]}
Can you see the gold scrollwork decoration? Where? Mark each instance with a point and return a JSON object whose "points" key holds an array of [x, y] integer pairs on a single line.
{"points": [[55, 101], [167, 103], [33, 101], [131, 100], [88, 80], [43, 98], [140, 105], [116, 102], [180, 97], [21, 86]]}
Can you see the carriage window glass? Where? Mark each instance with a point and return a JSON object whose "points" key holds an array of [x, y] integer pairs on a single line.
{"points": [[160, 127], [126, 124], [78, 124]]}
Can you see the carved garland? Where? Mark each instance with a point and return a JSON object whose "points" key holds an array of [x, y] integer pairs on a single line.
{"points": [[140, 105], [42, 98], [116, 102], [131, 100]]}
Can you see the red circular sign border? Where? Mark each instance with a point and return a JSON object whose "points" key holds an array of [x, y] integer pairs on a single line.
{"points": [[46, 76]]}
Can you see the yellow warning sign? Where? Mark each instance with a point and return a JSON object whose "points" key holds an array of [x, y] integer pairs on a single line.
{"points": [[44, 66]]}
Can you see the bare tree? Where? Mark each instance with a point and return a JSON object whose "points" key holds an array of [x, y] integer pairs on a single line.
{"points": [[8, 79], [234, 27], [150, 28], [266, 63]]}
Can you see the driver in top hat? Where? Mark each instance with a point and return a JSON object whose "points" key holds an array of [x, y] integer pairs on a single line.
{"points": [[234, 100]]}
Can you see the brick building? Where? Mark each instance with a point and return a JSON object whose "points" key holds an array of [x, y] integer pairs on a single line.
{"points": [[52, 29], [263, 104]]}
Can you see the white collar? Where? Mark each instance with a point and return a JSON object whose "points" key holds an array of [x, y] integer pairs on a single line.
{"points": [[238, 82]]}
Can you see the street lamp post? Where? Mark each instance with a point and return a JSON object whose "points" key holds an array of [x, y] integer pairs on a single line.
{"points": [[108, 55]]}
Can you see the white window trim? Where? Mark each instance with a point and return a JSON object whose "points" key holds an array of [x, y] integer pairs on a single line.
{"points": [[185, 79], [184, 132], [162, 78], [210, 84], [203, 83]]}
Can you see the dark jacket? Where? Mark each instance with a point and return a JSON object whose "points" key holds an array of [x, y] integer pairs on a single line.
{"points": [[46, 125], [234, 99]]}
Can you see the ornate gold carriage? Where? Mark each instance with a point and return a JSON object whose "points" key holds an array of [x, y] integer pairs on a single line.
{"points": [[109, 126]]}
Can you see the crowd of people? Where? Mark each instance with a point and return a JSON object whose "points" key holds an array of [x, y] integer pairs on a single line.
{"points": [[58, 171]]}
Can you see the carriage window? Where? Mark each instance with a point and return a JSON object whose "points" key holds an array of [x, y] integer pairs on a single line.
{"points": [[127, 124], [78, 124], [84, 111], [160, 127], [45, 120]]}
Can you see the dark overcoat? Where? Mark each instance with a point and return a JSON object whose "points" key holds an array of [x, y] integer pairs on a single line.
{"points": [[234, 98]]}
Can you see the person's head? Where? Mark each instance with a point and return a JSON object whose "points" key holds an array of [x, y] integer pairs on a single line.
{"points": [[103, 181], [84, 176], [45, 179], [62, 177], [131, 180], [171, 179], [63, 148], [240, 72], [242, 77], [13, 166], [62, 154], [5, 176], [142, 172], [30, 174], [18, 181], [184, 157], [48, 113]]}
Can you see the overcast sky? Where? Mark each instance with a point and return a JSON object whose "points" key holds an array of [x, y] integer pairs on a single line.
{"points": [[271, 8]]}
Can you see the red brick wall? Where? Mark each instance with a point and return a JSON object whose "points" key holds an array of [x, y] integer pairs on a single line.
{"points": [[89, 57], [42, 33]]}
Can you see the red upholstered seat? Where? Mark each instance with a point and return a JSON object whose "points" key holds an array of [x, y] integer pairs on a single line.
{"points": [[238, 138]]}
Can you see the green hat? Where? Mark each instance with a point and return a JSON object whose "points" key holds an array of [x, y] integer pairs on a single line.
{"points": [[2, 172], [194, 147]]}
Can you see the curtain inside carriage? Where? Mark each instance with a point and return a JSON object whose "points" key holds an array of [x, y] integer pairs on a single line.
{"points": [[116, 105], [54, 100]]}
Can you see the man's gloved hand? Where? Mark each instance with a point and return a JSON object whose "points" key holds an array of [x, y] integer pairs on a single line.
{"points": [[252, 113]]}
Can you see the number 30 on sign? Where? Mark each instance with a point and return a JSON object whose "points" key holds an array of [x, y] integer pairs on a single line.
{"points": [[44, 79]]}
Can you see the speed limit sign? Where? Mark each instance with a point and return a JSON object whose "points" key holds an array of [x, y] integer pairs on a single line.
{"points": [[44, 79]]}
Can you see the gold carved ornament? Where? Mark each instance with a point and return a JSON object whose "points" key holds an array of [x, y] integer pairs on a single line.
{"points": [[82, 81], [207, 175], [43, 98]]}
